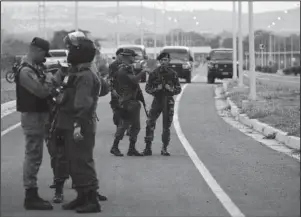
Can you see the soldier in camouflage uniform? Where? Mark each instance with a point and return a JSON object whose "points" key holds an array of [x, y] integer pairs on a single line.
{"points": [[113, 68], [128, 88], [163, 83]]}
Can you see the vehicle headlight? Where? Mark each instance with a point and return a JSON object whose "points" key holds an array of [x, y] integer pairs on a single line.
{"points": [[186, 66]]}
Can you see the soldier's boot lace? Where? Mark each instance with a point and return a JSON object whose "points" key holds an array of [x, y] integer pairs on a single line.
{"points": [[34, 202], [91, 205], [80, 200], [132, 150], [58, 194], [164, 151], [115, 150], [148, 150]]}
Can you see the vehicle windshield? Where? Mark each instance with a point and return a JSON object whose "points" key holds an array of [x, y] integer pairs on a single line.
{"points": [[222, 55], [57, 53], [138, 51], [177, 54]]}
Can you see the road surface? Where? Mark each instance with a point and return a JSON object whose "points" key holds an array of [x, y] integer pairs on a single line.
{"points": [[222, 173], [274, 79]]}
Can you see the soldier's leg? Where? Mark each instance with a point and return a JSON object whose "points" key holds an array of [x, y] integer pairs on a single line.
{"points": [[83, 174], [52, 150], [31, 166], [167, 125], [33, 126], [154, 113], [61, 165], [114, 106], [121, 128], [135, 108]]}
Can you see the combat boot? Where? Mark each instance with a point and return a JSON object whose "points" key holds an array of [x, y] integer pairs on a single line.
{"points": [[58, 195], [115, 150], [80, 200], [92, 205], [148, 150], [132, 150], [164, 151], [34, 202], [101, 197]]}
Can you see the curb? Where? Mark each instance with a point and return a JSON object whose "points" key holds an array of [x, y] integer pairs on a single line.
{"points": [[267, 130], [8, 108]]}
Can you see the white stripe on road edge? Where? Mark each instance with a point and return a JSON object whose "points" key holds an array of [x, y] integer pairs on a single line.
{"points": [[225, 200], [8, 108], [4, 132]]}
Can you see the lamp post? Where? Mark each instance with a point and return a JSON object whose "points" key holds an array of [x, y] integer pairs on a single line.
{"points": [[234, 41], [252, 94], [240, 45]]}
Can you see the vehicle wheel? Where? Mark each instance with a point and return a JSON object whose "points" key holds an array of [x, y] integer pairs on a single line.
{"points": [[210, 80], [188, 79], [10, 77]]}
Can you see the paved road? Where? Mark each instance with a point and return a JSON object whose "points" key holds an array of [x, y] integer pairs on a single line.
{"points": [[282, 80], [257, 180]]}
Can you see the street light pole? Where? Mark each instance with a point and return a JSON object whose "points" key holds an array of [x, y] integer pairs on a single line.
{"points": [[155, 36], [234, 41], [141, 24], [240, 45], [252, 94], [76, 16], [117, 33], [164, 23]]}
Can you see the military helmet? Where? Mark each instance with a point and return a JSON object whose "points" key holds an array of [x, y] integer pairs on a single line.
{"points": [[81, 48]]}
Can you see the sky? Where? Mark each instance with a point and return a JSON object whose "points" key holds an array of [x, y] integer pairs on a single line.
{"points": [[259, 6]]}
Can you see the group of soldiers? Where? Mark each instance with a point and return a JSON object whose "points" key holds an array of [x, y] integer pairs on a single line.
{"points": [[162, 84], [66, 102]]}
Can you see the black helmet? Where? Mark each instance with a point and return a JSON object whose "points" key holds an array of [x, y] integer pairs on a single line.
{"points": [[81, 48]]}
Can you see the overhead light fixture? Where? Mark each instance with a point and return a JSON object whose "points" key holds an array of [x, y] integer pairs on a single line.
{"points": [[279, 18]]}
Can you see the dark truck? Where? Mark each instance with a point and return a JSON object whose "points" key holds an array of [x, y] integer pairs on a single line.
{"points": [[140, 59], [181, 61], [219, 64]]}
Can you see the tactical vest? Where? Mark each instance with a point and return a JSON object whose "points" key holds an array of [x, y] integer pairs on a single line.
{"points": [[26, 101]]}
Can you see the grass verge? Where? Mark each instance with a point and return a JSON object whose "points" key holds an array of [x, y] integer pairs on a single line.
{"points": [[276, 105]]}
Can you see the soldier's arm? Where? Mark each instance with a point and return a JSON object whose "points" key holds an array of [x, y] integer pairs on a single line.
{"points": [[150, 87], [177, 85], [83, 100], [130, 78], [31, 82]]}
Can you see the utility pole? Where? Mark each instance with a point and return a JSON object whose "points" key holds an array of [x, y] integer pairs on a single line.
{"points": [[76, 16], [155, 28], [117, 21], [240, 45], [234, 41], [292, 50], [164, 23], [284, 55], [44, 19], [141, 23], [252, 78]]}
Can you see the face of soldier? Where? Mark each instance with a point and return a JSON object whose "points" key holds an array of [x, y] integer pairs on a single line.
{"points": [[164, 61], [37, 54], [129, 59]]}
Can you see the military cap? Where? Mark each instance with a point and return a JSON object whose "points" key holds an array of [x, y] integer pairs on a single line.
{"points": [[119, 51], [128, 52], [163, 55], [42, 44]]}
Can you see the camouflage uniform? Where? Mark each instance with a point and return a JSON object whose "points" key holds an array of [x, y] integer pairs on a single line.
{"points": [[128, 88], [163, 102], [113, 68]]}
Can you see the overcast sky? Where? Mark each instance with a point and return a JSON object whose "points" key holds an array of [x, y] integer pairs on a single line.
{"points": [[177, 5]]}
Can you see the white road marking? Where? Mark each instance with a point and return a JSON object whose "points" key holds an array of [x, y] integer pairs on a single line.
{"points": [[4, 132], [225, 200]]}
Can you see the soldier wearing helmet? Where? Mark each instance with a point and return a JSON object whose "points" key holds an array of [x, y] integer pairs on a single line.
{"points": [[76, 123], [128, 88]]}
